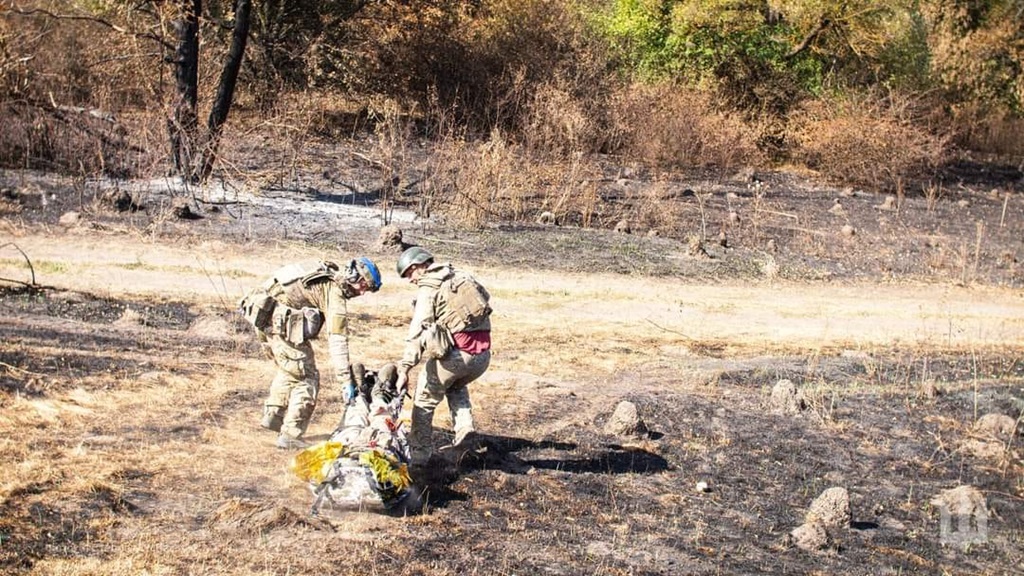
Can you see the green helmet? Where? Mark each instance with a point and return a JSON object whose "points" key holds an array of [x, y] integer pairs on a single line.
{"points": [[411, 257]]}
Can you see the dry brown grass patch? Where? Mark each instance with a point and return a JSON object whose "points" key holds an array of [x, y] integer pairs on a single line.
{"points": [[875, 142], [674, 127]]}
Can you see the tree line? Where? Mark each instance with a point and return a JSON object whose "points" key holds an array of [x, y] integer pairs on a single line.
{"points": [[490, 63]]}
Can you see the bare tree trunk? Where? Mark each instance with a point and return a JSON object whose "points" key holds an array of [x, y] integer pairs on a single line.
{"points": [[226, 86], [184, 124]]}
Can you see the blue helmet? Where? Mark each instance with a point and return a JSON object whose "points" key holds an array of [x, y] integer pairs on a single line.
{"points": [[365, 269]]}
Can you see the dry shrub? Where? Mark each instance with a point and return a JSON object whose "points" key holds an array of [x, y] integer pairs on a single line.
{"points": [[61, 82], [673, 127], [865, 140], [559, 122], [473, 183], [989, 131], [654, 210]]}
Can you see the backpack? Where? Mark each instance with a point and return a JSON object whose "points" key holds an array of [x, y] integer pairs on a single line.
{"points": [[461, 302]]}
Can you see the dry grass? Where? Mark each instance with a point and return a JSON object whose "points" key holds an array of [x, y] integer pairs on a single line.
{"points": [[676, 127], [141, 452], [878, 143]]}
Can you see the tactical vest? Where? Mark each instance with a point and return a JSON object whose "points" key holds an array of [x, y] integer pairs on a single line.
{"points": [[462, 303], [287, 282]]}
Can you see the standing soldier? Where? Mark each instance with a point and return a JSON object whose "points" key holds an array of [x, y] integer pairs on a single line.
{"points": [[288, 311], [451, 327]]}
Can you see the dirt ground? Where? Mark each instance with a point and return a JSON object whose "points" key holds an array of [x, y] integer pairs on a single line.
{"points": [[130, 392]]}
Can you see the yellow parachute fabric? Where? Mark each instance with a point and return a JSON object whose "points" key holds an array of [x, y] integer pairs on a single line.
{"points": [[310, 464], [388, 472]]}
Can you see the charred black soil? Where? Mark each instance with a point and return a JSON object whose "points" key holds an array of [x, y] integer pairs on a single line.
{"points": [[715, 486]]}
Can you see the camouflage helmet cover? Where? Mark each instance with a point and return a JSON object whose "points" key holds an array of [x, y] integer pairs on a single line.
{"points": [[411, 257]]}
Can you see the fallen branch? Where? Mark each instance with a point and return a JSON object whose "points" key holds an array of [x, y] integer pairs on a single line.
{"points": [[20, 370], [31, 270], [652, 323]]}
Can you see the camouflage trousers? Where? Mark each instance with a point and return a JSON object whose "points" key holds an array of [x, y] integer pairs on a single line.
{"points": [[448, 378], [294, 390]]}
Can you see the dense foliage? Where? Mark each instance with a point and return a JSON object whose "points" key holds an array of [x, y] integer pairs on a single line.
{"points": [[559, 77]]}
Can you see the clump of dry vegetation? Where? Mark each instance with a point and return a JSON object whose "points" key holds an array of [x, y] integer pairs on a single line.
{"points": [[877, 143]]}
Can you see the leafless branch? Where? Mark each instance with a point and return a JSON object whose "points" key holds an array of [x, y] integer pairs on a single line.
{"points": [[32, 271], [823, 23], [96, 20]]}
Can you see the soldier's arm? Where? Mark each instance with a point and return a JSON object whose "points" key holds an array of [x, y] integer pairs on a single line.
{"points": [[336, 321], [422, 316]]}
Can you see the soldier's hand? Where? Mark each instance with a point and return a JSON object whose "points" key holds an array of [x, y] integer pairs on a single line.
{"points": [[402, 384], [348, 387]]}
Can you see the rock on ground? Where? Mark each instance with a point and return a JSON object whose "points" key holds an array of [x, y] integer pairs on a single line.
{"points": [[995, 426], [963, 500], [786, 398], [831, 509], [810, 536], [625, 421]]}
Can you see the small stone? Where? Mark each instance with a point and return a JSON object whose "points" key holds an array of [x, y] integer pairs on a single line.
{"points": [[623, 227], [929, 389], [626, 421], [995, 426], [811, 536], [963, 500], [831, 509], [70, 218], [703, 486], [389, 239], [786, 398], [849, 231]]}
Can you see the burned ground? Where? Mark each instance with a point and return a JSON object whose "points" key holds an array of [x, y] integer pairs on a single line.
{"points": [[129, 405]]}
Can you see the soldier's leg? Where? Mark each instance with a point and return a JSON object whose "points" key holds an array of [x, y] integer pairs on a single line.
{"points": [[298, 365], [429, 392], [280, 389], [459, 369]]}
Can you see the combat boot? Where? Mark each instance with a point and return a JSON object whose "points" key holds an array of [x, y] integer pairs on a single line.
{"points": [[465, 438], [272, 421], [286, 442], [358, 380]]}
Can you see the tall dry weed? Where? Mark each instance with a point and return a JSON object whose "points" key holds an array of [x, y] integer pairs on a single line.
{"points": [[878, 142], [559, 122], [989, 131], [475, 183], [675, 127], [66, 87]]}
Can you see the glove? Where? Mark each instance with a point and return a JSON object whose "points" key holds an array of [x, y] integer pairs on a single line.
{"points": [[402, 384], [348, 392]]}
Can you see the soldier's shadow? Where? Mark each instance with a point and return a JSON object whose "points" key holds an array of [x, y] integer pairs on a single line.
{"points": [[513, 455]]}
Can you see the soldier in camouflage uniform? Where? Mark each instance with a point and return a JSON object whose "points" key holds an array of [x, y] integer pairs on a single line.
{"points": [[463, 359], [289, 311]]}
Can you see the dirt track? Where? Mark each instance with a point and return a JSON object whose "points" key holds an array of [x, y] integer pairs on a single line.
{"points": [[130, 396]]}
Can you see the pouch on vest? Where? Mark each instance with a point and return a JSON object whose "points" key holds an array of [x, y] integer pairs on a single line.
{"points": [[437, 341], [325, 270], [302, 325], [462, 302], [313, 321], [257, 309]]}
